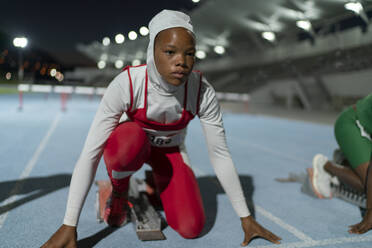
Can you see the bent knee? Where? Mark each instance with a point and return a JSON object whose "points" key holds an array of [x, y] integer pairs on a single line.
{"points": [[192, 230]]}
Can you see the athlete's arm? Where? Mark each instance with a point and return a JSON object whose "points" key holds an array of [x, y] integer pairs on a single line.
{"points": [[115, 101], [366, 224], [219, 154], [211, 121]]}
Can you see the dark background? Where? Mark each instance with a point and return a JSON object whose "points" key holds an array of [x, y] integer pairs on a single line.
{"points": [[57, 26]]}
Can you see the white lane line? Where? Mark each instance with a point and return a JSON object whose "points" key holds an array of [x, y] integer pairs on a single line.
{"points": [[269, 150], [319, 243], [27, 170], [284, 225], [273, 218]]}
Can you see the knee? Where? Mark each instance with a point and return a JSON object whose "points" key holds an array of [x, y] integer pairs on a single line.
{"points": [[127, 144], [192, 229]]}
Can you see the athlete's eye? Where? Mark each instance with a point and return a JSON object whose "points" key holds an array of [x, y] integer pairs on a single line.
{"points": [[192, 54], [169, 52]]}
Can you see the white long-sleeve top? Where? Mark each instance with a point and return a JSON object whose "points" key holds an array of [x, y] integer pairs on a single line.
{"points": [[163, 107]]}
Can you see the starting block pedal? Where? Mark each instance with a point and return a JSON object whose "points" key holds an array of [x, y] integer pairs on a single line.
{"points": [[146, 220], [102, 195]]}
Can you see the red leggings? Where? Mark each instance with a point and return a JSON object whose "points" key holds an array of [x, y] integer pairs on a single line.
{"points": [[128, 148]]}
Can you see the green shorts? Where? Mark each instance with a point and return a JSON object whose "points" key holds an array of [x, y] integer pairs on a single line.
{"points": [[357, 149]]}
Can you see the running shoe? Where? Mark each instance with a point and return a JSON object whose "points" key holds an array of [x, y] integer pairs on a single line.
{"points": [[116, 211], [321, 180]]}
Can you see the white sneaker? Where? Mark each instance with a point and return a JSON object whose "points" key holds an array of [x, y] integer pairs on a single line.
{"points": [[335, 181], [321, 180]]}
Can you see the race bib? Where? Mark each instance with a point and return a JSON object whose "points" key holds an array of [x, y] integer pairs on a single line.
{"points": [[165, 138]]}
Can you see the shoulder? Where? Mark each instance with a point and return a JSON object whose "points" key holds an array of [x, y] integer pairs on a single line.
{"points": [[198, 81], [139, 69], [128, 75], [137, 75]]}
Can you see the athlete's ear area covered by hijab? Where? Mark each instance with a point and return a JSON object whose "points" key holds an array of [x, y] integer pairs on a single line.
{"points": [[163, 20]]}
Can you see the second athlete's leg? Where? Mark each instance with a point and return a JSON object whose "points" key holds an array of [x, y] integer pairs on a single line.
{"points": [[357, 150]]}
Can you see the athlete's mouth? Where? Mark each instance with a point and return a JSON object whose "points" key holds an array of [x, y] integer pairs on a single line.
{"points": [[179, 74]]}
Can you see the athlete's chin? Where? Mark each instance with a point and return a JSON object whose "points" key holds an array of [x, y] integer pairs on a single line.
{"points": [[176, 81]]}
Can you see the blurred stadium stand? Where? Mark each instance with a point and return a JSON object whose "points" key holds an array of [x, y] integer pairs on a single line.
{"points": [[325, 67]]}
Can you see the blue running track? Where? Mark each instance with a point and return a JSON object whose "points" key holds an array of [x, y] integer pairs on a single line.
{"points": [[40, 145]]}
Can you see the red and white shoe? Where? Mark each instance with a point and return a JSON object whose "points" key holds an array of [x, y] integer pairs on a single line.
{"points": [[116, 210]]}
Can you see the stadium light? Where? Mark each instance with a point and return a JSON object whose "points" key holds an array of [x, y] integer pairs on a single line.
{"points": [[53, 72], [101, 64], [20, 42], [106, 41], [119, 64], [8, 75], [200, 54], [132, 35], [119, 38], [144, 31], [356, 7], [304, 24], [268, 35], [136, 62], [219, 49]]}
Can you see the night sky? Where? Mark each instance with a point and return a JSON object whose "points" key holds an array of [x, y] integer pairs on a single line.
{"points": [[57, 26]]}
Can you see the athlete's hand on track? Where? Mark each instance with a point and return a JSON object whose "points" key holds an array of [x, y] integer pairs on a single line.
{"points": [[254, 230], [64, 237], [364, 226]]}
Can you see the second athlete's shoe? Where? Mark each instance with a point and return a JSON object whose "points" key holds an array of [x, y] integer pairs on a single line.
{"points": [[320, 179]]}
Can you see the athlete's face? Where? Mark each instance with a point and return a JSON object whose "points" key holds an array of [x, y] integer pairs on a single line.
{"points": [[174, 54]]}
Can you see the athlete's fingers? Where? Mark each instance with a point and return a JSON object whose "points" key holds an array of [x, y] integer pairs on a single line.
{"points": [[272, 237], [247, 240], [276, 239], [244, 243], [354, 228], [364, 228], [355, 225]]}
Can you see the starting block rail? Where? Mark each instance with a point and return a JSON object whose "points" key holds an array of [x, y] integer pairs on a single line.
{"points": [[147, 222], [347, 194]]}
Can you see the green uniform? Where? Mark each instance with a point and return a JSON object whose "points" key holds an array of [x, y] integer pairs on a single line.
{"points": [[353, 131], [364, 113]]}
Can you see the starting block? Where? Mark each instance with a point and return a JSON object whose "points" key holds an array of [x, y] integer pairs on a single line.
{"points": [[339, 190], [146, 220], [350, 195]]}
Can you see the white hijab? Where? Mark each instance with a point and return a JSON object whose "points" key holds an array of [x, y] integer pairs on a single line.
{"points": [[163, 20]]}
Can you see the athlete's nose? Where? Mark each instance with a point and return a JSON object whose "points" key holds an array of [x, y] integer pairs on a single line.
{"points": [[181, 60]]}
